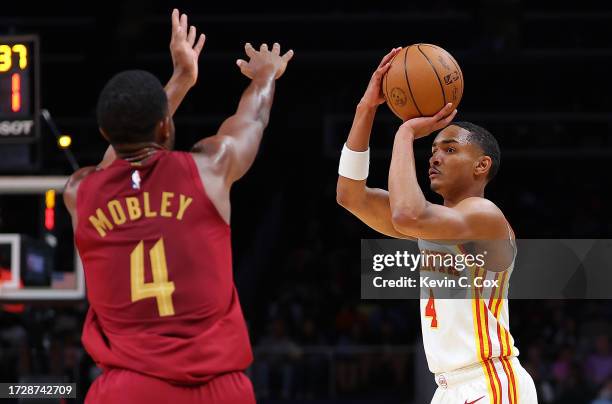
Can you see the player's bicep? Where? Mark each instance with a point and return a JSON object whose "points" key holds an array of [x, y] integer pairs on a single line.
{"points": [[239, 125], [437, 222], [468, 220]]}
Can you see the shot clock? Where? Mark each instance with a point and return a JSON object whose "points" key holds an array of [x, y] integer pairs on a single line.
{"points": [[19, 92]]}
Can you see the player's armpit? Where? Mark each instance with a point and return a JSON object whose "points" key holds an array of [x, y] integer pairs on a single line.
{"points": [[471, 219], [220, 155], [370, 205], [212, 160]]}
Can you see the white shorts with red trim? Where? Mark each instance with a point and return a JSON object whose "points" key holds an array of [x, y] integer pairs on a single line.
{"points": [[498, 381]]}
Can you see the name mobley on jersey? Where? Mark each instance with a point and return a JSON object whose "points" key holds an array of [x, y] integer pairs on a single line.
{"points": [[16, 128], [131, 208]]}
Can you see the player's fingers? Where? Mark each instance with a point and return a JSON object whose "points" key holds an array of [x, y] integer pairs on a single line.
{"points": [[287, 56], [249, 50], [191, 36], [450, 118], [175, 20], [276, 48], [263, 47], [446, 121], [200, 44], [444, 112], [387, 58], [244, 67], [183, 25], [382, 70]]}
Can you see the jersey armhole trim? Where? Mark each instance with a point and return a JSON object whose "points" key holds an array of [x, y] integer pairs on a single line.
{"points": [[197, 179]]}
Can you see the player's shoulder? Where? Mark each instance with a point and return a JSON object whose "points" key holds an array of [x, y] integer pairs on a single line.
{"points": [[483, 213], [479, 205], [78, 176], [212, 147], [72, 186]]}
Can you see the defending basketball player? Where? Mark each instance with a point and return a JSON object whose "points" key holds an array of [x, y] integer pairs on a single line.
{"points": [[152, 229], [467, 341]]}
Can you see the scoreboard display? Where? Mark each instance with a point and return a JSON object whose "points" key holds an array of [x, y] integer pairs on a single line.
{"points": [[19, 89]]}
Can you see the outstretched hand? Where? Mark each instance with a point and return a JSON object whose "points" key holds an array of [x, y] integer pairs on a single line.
{"points": [[425, 125], [373, 95], [264, 59], [184, 49]]}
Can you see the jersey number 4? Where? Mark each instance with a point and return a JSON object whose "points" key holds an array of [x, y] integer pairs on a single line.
{"points": [[430, 310], [160, 288]]}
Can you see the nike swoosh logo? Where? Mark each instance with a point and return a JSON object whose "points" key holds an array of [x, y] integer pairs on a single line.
{"points": [[472, 402]]}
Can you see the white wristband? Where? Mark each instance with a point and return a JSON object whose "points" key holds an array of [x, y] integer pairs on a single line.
{"points": [[354, 165]]}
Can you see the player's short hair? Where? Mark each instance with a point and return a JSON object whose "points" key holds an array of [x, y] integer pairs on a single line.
{"points": [[486, 141], [130, 105]]}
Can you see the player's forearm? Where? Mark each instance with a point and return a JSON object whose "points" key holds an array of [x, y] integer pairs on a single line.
{"points": [[348, 191], [176, 90], [359, 136], [245, 128], [405, 195], [256, 101]]}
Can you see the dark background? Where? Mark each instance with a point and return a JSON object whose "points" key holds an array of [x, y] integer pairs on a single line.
{"points": [[536, 75]]}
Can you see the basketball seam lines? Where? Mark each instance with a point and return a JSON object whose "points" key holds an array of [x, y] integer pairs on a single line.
{"points": [[437, 76], [452, 59], [408, 81]]}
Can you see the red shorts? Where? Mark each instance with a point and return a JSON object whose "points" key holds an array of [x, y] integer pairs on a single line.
{"points": [[118, 386]]}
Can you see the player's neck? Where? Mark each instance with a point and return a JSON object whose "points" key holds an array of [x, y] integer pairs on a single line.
{"points": [[138, 151], [453, 198]]}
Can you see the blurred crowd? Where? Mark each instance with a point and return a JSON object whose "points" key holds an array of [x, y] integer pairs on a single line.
{"points": [[314, 344]]}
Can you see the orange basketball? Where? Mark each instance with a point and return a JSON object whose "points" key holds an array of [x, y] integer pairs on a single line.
{"points": [[421, 80]]}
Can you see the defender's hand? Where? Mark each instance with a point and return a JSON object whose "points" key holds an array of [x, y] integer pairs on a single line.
{"points": [[264, 59], [184, 49], [373, 96], [425, 125]]}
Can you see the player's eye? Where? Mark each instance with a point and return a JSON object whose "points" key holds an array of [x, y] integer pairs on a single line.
{"points": [[450, 150]]}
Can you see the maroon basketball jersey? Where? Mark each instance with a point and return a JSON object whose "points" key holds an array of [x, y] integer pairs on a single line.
{"points": [[158, 270]]}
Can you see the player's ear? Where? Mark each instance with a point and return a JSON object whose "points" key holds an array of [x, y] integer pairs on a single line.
{"points": [[482, 165]]}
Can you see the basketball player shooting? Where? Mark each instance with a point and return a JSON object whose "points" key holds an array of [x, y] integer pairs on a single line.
{"points": [[467, 342], [152, 229]]}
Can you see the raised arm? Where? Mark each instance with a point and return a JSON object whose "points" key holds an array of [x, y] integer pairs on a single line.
{"points": [[185, 52], [472, 218], [370, 205], [238, 138]]}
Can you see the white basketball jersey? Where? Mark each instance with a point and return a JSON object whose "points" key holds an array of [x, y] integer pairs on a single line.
{"points": [[461, 332]]}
